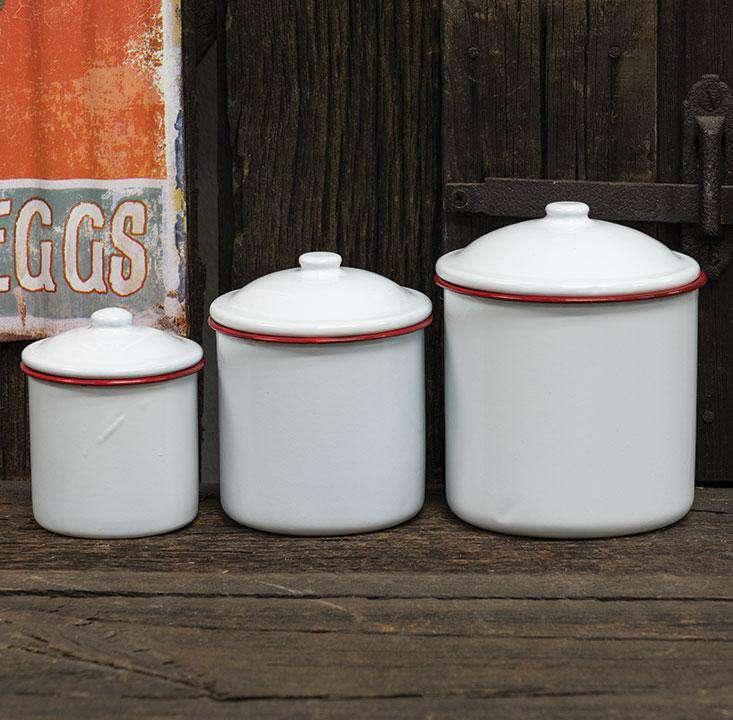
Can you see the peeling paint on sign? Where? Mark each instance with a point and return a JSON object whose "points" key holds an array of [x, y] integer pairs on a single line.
{"points": [[91, 162]]}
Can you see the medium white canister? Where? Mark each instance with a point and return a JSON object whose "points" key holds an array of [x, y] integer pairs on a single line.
{"points": [[114, 428], [321, 399], [570, 378]]}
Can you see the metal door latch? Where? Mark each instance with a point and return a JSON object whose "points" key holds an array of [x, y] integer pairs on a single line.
{"points": [[701, 202], [707, 132]]}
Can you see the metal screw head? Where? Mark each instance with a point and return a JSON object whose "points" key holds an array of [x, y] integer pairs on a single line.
{"points": [[459, 199], [614, 52], [708, 416]]}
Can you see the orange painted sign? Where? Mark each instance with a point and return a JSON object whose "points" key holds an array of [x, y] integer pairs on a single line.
{"points": [[91, 183]]}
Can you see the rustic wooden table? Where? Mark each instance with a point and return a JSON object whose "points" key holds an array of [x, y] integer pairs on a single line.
{"points": [[433, 618]]}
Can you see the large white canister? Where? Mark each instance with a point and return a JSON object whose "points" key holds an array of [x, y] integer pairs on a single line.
{"points": [[570, 378], [114, 428], [321, 399]]}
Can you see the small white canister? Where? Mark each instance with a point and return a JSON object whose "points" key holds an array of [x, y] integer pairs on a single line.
{"points": [[570, 378], [321, 399], [114, 428]]}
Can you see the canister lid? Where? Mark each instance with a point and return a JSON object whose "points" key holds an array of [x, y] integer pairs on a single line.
{"points": [[566, 253], [320, 299], [112, 347]]}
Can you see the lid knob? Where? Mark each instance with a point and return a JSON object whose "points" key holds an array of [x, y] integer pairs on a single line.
{"points": [[567, 209], [111, 317], [320, 261]]}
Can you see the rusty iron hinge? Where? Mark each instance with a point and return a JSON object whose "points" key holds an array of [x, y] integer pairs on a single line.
{"points": [[701, 203]]}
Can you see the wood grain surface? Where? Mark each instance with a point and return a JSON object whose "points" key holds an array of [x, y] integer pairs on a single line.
{"points": [[430, 619]]}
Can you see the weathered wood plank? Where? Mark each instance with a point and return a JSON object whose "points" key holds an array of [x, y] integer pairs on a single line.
{"points": [[294, 649], [638, 585], [195, 30], [334, 136], [333, 111], [550, 584], [193, 39], [601, 90], [706, 46], [492, 113], [14, 440], [491, 81], [436, 541], [204, 22], [433, 617], [537, 705], [489, 618], [604, 107]]}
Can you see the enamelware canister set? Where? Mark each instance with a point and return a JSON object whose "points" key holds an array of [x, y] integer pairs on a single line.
{"points": [[570, 389]]}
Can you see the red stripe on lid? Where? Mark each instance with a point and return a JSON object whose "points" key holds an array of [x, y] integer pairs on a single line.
{"points": [[319, 339], [144, 380], [629, 297]]}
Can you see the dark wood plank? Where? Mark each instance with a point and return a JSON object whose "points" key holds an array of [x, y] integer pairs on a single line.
{"points": [[433, 617], [492, 114], [491, 81], [334, 117], [537, 705], [628, 619], [502, 584], [601, 90], [706, 46], [204, 21], [272, 652], [334, 135], [565, 89], [192, 11], [600, 96], [359, 649], [14, 437], [436, 541], [198, 28], [194, 39]]}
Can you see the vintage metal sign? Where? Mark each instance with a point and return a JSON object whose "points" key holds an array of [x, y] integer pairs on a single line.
{"points": [[91, 158]]}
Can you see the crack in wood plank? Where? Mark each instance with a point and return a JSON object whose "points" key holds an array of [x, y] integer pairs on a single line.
{"points": [[55, 651]]}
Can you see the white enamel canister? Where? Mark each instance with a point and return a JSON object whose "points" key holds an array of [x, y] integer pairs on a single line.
{"points": [[570, 378], [114, 428], [321, 399]]}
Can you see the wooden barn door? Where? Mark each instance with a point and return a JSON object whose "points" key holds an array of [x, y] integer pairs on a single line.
{"points": [[591, 90]]}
